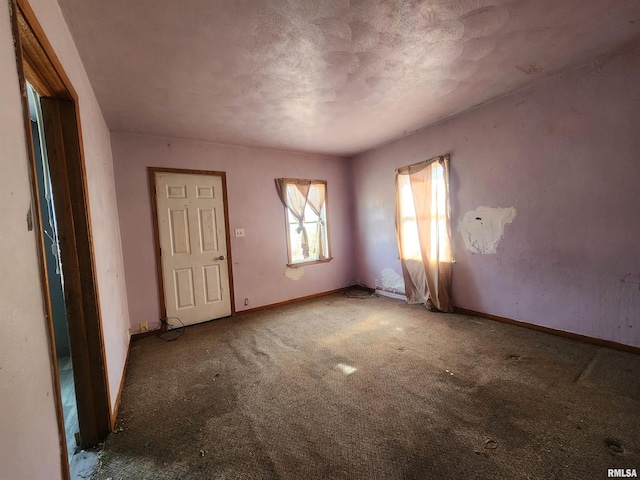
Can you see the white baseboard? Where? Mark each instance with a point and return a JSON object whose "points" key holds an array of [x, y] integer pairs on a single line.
{"points": [[397, 296]]}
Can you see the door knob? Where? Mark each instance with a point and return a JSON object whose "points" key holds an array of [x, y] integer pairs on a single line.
{"points": [[221, 257]]}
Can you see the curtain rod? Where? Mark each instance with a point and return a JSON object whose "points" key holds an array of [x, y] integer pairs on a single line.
{"points": [[298, 180], [423, 162]]}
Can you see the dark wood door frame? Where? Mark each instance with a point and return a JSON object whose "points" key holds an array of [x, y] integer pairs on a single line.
{"points": [[38, 64], [156, 231]]}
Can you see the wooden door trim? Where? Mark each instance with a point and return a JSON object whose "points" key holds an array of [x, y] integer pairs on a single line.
{"points": [[37, 63], [37, 220], [151, 171]]}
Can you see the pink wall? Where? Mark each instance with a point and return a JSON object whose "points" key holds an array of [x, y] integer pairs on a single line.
{"points": [[259, 258], [27, 416], [28, 419], [564, 154]]}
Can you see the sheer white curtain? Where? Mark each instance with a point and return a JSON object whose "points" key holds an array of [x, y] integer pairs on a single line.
{"points": [[295, 199], [316, 200], [423, 228], [297, 195]]}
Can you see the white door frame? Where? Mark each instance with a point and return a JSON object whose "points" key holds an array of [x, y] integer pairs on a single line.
{"points": [[156, 231]]}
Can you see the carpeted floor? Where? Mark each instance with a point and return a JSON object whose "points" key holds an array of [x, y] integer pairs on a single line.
{"points": [[372, 389]]}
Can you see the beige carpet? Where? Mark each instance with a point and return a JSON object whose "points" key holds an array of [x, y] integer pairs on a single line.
{"points": [[373, 389]]}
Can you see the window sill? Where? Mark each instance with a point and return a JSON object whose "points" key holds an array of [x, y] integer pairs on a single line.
{"points": [[312, 262]]}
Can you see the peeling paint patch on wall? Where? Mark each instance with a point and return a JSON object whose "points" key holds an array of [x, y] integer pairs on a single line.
{"points": [[294, 273], [483, 228], [391, 281]]}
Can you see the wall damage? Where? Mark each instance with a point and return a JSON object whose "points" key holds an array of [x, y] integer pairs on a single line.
{"points": [[483, 228], [293, 273], [391, 281]]}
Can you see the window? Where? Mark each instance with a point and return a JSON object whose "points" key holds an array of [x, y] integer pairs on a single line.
{"points": [[435, 214], [423, 226], [305, 204]]}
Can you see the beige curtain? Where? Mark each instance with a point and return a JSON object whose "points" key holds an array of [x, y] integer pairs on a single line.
{"points": [[423, 227], [316, 199], [295, 199]]}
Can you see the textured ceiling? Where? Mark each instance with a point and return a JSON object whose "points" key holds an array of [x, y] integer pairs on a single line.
{"points": [[328, 76]]}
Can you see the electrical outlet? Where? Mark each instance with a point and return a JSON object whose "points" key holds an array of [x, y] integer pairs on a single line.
{"points": [[246, 301], [144, 326], [376, 283], [239, 232]]}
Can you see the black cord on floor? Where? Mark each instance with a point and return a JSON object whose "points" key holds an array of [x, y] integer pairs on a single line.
{"points": [[358, 290], [359, 293], [170, 333]]}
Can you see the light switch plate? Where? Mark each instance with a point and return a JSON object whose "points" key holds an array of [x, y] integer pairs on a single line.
{"points": [[239, 232]]}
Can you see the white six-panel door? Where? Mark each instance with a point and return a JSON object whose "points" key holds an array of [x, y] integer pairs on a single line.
{"points": [[193, 246]]}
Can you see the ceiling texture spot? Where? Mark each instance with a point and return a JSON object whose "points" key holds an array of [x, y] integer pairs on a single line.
{"points": [[326, 76]]}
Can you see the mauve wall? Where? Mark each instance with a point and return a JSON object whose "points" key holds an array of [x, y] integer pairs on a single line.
{"points": [[29, 442], [259, 258], [566, 155], [27, 416]]}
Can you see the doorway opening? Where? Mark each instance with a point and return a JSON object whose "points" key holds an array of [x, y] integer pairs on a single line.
{"points": [[61, 219], [55, 276]]}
